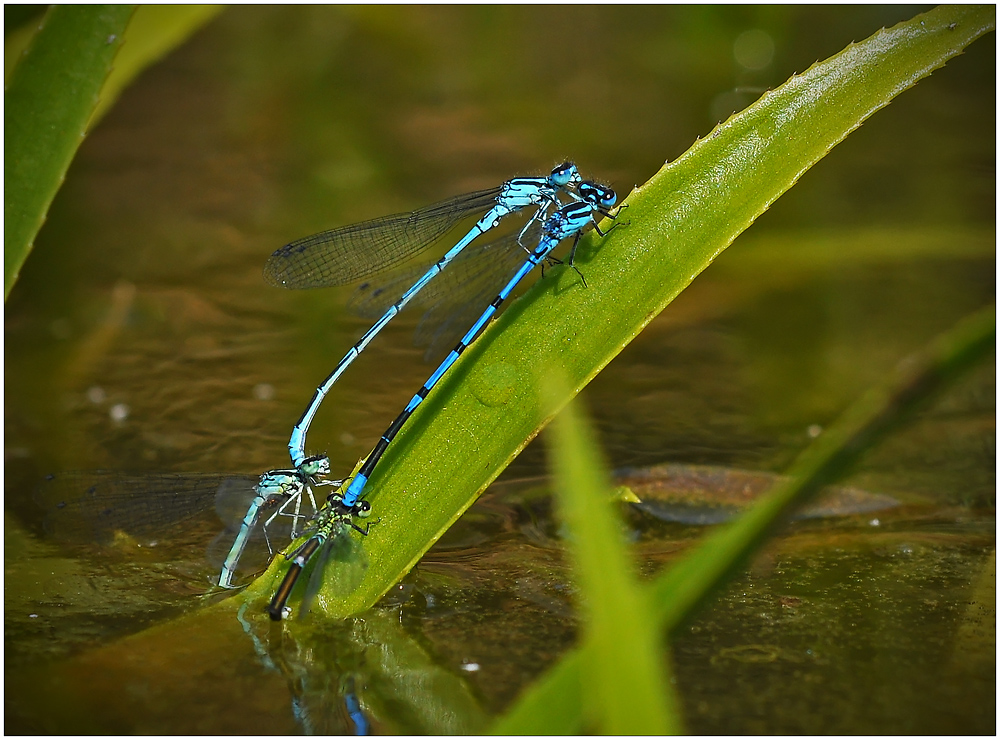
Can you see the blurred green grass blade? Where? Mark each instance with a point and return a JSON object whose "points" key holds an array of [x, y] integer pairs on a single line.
{"points": [[15, 17], [154, 31], [484, 411], [16, 37], [624, 688], [50, 103], [916, 380], [51, 95], [558, 697]]}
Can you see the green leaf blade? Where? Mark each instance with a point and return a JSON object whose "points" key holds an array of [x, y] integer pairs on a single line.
{"points": [[624, 684], [52, 94]]}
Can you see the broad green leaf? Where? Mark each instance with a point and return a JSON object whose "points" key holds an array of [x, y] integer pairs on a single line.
{"points": [[60, 82], [625, 690], [50, 97], [483, 412], [556, 704]]}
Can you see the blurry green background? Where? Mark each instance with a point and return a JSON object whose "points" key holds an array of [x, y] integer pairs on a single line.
{"points": [[141, 336]]}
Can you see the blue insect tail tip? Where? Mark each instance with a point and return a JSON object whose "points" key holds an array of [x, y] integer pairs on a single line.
{"points": [[354, 490]]}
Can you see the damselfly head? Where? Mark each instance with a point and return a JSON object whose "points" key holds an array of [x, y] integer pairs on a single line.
{"points": [[335, 501], [360, 508], [315, 465], [564, 174], [597, 195]]}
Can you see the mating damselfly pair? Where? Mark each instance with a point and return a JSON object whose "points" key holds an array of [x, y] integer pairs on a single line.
{"points": [[477, 275], [564, 205]]}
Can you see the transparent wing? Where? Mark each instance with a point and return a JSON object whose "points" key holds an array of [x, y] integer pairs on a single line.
{"points": [[94, 507], [90, 507], [449, 314], [232, 497], [454, 298], [338, 568], [352, 252]]}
